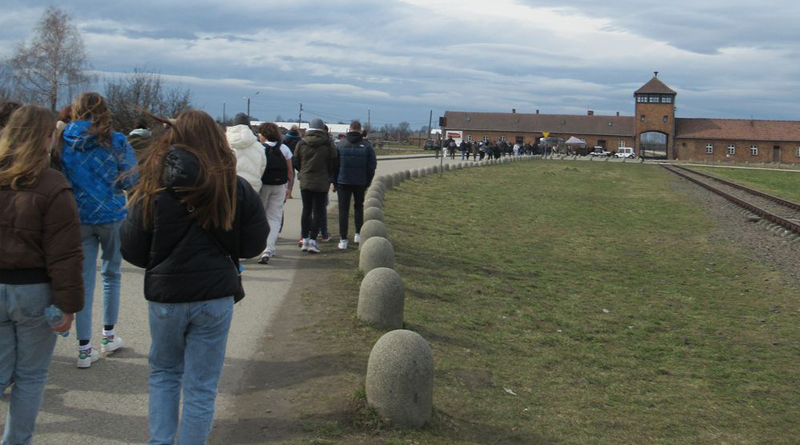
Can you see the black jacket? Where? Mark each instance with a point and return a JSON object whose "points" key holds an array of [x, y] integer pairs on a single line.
{"points": [[357, 161], [184, 262]]}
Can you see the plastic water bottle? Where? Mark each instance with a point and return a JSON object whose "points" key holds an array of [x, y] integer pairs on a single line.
{"points": [[55, 317]]}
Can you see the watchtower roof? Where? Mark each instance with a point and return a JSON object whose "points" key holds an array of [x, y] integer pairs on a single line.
{"points": [[655, 86]]}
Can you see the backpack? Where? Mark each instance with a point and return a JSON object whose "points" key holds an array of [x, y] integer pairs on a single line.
{"points": [[276, 172]]}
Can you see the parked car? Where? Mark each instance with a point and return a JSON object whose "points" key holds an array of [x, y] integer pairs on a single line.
{"points": [[600, 151], [625, 152]]}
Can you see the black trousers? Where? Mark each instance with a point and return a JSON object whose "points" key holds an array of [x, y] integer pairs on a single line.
{"points": [[313, 212], [345, 192]]}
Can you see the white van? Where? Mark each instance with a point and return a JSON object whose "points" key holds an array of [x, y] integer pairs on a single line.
{"points": [[625, 152]]}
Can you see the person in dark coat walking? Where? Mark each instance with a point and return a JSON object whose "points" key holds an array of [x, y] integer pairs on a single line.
{"points": [[191, 219], [357, 164]]}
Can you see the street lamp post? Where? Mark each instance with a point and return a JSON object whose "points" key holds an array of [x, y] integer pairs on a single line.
{"points": [[248, 103]]}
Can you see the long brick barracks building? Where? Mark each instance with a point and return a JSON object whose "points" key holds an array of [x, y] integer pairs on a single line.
{"points": [[653, 131]]}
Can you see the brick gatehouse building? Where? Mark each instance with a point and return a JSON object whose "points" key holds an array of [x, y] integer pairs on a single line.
{"points": [[653, 131]]}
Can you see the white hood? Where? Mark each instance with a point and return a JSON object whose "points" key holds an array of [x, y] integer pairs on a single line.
{"points": [[240, 136]]}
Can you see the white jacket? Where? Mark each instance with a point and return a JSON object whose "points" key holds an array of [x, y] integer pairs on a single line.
{"points": [[251, 160]]}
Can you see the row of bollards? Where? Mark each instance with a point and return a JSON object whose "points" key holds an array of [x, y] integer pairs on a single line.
{"points": [[400, 369]]}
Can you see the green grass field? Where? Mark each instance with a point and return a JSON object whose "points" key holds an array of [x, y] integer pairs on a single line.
{"points": [[785, 184], [578, 303]]}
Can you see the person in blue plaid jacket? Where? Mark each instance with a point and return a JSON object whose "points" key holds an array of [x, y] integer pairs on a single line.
{"points": [[99, 164]]}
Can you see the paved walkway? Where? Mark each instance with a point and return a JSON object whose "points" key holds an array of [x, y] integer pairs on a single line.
{"points": [[107, 404]]}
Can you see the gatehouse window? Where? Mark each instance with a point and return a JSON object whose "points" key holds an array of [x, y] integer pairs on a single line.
{"points": [[709, 149], [641, 118], [754, 150], [797, 152], [731, 149], [666, 99], [665, 119], [485, 138], [622, 144], [469, 138], [503, 138]]}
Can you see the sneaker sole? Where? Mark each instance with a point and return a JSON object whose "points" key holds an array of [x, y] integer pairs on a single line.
{"points": [[88, 363], [105, 350], [263, 260]]}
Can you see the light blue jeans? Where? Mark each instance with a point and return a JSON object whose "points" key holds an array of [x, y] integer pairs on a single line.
{"points": [[26, 347], [186, 353], [106, 238]]}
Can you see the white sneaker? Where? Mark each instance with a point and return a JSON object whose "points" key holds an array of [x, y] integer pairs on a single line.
{"points": [[306, 244], [264, 258], [86, 358], [343, 244], [110, 345], [356, 238], [312, 246]]}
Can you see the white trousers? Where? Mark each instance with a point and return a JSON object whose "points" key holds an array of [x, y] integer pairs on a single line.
{"points": [[272, 197]]}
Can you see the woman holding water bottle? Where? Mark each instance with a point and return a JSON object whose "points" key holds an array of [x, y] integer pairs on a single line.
{"points": [[40, 263]]}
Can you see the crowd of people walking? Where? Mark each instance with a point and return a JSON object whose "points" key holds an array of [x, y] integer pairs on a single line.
{"points": [[184, 198]]}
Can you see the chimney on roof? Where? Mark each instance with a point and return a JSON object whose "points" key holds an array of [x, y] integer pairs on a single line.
{"points": [[590, 113], [617, 113], [537, 111], [513, 111], [656, 73]]}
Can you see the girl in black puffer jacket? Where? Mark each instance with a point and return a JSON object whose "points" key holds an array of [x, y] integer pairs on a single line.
{"points": [[191, 219]]}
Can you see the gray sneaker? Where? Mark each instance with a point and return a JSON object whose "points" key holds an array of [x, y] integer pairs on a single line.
{"points": [[312, 246]]}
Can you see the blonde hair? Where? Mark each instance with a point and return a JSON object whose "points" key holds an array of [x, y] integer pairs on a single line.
{"points": [[24, 153], [92, 107]]}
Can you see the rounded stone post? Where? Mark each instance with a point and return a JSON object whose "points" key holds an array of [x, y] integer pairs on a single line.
{"points": [[374, 193], [372, 202], [371, 213], [447, 167], [415, 173], [398, 177], [407, 174], [400, 379], [372, 228], [376, 252], [381, 299]]}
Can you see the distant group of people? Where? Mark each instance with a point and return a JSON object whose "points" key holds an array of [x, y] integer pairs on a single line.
{"points": [[483, 149], [186, 202]]}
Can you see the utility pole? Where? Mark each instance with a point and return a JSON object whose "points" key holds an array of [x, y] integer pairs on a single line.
{"points": [[369, 116], [430, 122], [224, 118], [300, 117]]}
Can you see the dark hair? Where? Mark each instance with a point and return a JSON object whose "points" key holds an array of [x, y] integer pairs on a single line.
{"points": [[355, 126], [140, 123], [65, 115], [270, 131], [6, 110]]}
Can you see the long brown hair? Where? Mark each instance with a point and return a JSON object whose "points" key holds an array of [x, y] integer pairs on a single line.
{"points": [[214, 196], [24, 153], [92, 107]]}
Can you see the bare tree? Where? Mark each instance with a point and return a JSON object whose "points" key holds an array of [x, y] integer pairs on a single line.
{"points": [[55, 61], [129, 96]]}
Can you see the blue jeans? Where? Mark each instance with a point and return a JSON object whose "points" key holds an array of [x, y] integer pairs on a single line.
{"points": [[105, 237], [187, 352], [26, 347]]}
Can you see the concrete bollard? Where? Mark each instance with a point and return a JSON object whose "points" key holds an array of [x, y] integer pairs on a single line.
{"points": [[376, 252], [400, 379], [381, 299], [376, 194], [371, 213], [407, 174], [372, 202], [447, 167], [415, 173], [377, 185], [388, 181], [373, 228], [398, 177]]}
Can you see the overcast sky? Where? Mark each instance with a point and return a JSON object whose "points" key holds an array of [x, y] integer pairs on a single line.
{"points": [[402, 58]]}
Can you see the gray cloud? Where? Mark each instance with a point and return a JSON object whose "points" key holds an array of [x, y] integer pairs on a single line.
{"points": [[402, 58]]}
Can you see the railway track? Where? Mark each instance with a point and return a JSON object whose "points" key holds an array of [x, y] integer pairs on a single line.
{"points": [[771, 208]]}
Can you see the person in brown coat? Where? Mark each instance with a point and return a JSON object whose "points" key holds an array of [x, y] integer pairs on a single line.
{"points": [[317, 162], [40, 263]]}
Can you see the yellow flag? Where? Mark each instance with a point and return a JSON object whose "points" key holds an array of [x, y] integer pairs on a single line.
{"points": [[546, 133]]}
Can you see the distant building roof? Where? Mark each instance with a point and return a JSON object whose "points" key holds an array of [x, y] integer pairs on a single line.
{"points": [[655, 86], [737, 129], [538, 123]]}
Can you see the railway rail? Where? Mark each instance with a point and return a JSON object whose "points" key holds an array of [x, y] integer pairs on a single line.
{"points": [[771, 208]]}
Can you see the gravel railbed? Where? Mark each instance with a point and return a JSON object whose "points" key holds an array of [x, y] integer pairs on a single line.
{"points": [[762, 203], [768, 243]]}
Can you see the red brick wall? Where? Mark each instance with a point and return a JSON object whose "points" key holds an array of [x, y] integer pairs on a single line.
{"points": [[695, 150]]}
